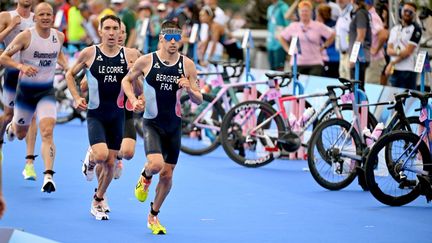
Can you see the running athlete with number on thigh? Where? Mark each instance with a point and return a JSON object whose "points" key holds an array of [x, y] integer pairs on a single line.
{"points": [[40, 51], [166, 75], [11, 24]]}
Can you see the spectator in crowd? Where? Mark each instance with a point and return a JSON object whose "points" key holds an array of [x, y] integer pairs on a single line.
{"points": [[309, 33], [99, 9], [360, 31], [403, 44], [145, 11], [342, 33], [75, 31], [379, 37], [218, 34], [127, 16], [331, 56], [63, 6], [91, 37], [275, 24], [335, 10]]}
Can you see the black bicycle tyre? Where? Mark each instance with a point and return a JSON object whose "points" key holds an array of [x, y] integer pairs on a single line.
{"points": [[213, 145], [226, 124], [315, 137], [371, 164]]}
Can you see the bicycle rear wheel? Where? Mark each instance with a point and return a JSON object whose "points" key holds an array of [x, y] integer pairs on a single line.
{"points": [[246, 148], [328, 152], [197, 140], [388, 175]]}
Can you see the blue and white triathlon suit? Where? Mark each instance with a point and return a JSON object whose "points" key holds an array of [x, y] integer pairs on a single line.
{"points": [[105, 116], [11, 74], [162, 115], [36, 93]]}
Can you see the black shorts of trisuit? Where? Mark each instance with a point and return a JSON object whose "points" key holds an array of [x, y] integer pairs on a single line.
{"points": [[106, 128], [159, 141], [129, 125]]}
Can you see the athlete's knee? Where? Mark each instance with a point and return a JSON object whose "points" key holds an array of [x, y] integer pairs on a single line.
{"points": [[155, 165], [127, 153], [20, 133], [46, 133], [166, 176], [100, 156]]}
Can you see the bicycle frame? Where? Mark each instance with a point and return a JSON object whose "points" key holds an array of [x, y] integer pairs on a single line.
{"points": [[222, 94]]}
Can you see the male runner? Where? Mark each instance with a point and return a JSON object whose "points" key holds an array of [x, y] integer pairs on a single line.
{"points": [[127, 148], [106, 65], [166, 75], [11, 24], [40, 51]]}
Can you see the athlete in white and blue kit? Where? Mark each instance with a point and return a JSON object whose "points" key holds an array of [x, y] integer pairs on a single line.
{"points": [[40, 51], [11, 24], [166, 75], [106, 65]]}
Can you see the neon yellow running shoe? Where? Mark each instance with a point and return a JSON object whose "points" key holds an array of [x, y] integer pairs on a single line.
{"points": [[142, 188], [29, 172], [154, 225]]}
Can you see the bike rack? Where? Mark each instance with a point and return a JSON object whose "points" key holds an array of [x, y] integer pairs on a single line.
{"points": [[250, 93], [360, 99], [144, 45], [297, 105]]}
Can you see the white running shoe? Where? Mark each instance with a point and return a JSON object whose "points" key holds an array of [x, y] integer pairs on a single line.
{"points": [[9, 133], [118, 169], [105, 205], [88, 166], [48, 185], [97, 211]]}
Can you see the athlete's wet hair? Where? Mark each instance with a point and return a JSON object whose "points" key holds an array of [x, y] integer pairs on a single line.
{"points": [[112, 17]]}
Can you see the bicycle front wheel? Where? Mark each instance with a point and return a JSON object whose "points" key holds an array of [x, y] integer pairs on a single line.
{"points": [[390, 176], [249, 133], [332, 147]]}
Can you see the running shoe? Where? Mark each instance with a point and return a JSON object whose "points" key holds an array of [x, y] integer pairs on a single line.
{"points": [[142, 188], [155, 226], [9, 133], [118, 169], [88, 166], [98, 212], [29, 172], [48, 185], [104, 202]]}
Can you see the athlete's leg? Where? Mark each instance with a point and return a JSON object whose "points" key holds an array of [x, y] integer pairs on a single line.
{"points": [[5, 119], [164, 185], [31, 140], [46, 126], [127, 149], [29, 172], [107, 173]]}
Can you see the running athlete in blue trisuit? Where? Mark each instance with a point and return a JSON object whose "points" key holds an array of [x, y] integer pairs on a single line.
{"points": [[40, 51], [11, 24], [127, 148], [106, 65], [166, 75]]}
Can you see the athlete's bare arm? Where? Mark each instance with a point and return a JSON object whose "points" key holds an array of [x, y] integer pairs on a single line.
{"points": [[7, 24], [81, 63], [139, 68], [21, 42], [190, 82]]}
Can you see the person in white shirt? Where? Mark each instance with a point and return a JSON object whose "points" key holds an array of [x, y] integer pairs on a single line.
{"points": [[402, 47], [342, 32]]}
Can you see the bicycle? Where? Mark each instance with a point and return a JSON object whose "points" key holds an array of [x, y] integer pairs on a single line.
{"points": [[399, 165], [272, 132], [201, 123], [337, 149]]}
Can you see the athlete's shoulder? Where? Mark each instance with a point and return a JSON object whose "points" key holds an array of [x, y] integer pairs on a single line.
{"points": [[5, 18], [132, 53], [60, 35], [87, 52], [188, 63]]}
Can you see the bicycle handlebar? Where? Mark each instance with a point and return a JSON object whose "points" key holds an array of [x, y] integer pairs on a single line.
{"points": [[286, 77]]}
